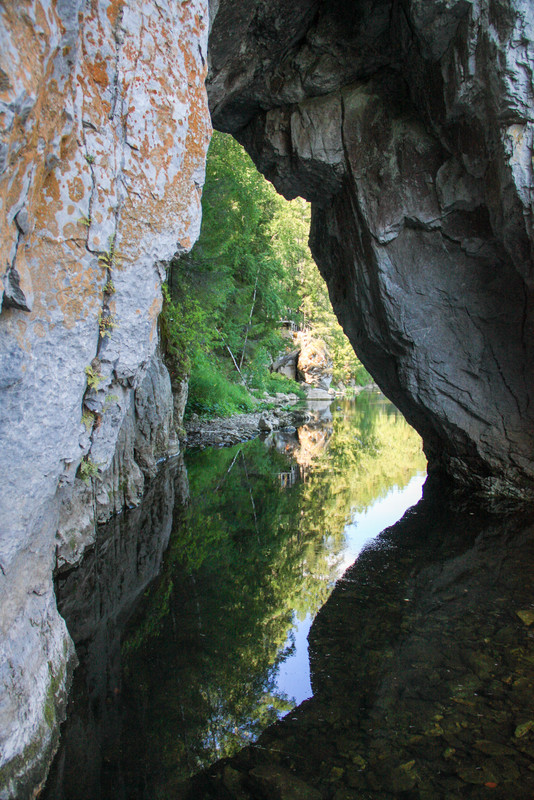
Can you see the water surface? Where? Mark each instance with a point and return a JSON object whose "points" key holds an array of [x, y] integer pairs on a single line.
{"points": [[216, 649], [422, 670]]}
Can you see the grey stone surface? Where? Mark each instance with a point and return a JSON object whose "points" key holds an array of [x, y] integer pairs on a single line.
{"points": [[103, 132], [226, 431], [318, 393], [410, 128], [314, 364], [287, 364], [146, 436]]}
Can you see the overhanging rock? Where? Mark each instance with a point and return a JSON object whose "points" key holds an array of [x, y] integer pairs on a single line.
{"points": [[410, 128]]}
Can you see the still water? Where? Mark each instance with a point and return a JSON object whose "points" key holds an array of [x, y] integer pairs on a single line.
{"points": [[191, 616]]}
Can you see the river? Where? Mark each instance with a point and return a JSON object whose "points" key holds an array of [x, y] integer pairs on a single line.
{"points": [[193, 613]]}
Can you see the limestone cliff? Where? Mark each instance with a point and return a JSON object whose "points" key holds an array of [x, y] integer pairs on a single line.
{"points": [[409, 125], [104, 128]]}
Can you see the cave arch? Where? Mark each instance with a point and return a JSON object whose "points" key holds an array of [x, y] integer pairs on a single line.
{"points": [[409, 126]]}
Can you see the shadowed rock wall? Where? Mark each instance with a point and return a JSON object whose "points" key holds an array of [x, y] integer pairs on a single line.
{"points": [[409, 126]]}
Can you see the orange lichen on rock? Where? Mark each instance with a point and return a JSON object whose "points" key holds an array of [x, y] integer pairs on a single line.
{"points": [[113, 10], [98, 72]]}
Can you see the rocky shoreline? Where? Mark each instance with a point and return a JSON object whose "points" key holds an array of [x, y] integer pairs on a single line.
{"points": [[226, 431]]}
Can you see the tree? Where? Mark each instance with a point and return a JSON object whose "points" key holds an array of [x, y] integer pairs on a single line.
{"points": [[250, 268]]}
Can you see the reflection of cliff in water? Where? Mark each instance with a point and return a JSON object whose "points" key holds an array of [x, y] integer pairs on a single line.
{"points": [[422, 671], [305, 446], [97, 600]]}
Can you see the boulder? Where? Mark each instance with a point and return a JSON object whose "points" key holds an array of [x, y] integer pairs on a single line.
{"points": [[265, 423], [314, 365], [287, 365]]}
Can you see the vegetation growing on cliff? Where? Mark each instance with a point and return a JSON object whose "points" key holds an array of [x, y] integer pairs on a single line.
{"points": [[250, 269]]}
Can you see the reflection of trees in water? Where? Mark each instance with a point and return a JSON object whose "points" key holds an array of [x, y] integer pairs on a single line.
{"points": [[246, 556], [371, 449], [228, 583], [217, 664]]}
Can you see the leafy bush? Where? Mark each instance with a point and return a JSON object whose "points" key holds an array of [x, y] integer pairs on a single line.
{"points": [[87, 470], [93, 377], [186, 332], [274, 382], [361, 376], [212, 393]]}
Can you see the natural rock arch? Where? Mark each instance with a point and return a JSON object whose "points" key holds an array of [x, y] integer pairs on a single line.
{"points": [[409, 126]]}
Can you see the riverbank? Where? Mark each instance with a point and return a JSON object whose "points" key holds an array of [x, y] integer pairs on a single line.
{"points": [[226, 431]]}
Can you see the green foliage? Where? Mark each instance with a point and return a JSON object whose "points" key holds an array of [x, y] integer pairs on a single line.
{"points": [[273, 382], [240, 282], [106, 323], [250, 268], [187, 333], [93, 378], [88, 469], [88, 419], [106, 260], [212, 393], [369, 452]]}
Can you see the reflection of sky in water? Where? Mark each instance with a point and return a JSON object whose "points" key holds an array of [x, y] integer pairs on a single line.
{"points": [[293, 678]]}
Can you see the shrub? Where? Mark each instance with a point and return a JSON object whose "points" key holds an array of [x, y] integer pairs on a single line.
{"points": [[88, 419], [274, 382], [212, 393], [93, 377], [88, 469]]}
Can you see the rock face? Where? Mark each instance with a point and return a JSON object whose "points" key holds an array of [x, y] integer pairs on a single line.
{"points": [[287, 365], [145, 435], [410, 128], [104, 128], [311, 364], [314, 365]]}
